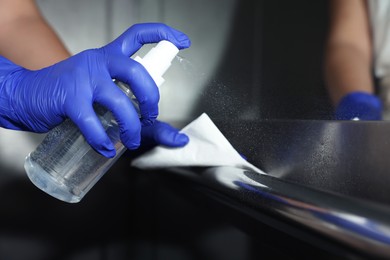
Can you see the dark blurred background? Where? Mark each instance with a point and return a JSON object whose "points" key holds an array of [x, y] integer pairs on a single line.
{"points": [[272, 64]]}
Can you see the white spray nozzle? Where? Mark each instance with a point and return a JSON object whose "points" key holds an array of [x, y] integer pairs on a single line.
{"points": [[158, 60]]}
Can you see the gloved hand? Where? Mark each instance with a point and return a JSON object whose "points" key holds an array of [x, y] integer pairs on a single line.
{"points": [[161, 133], [359, 105], [39, 100]]}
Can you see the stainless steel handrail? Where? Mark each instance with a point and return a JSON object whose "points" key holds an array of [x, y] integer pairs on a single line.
{"points": [[353, 222]]}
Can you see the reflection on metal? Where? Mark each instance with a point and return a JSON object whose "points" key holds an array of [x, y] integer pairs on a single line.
{"points": [[359, 224], [346, 157]]}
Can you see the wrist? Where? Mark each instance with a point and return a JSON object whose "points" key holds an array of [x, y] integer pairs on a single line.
{"points": [[8, 81], [359, 105]]}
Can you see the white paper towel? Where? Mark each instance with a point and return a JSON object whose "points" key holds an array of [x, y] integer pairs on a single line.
{"points": [[207, 147]]}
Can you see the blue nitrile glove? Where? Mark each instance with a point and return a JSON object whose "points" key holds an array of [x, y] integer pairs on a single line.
{"points": [[158, 133], [161, 133], [359, 105], [39, 100]]}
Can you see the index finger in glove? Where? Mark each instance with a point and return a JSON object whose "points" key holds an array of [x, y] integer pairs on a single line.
{"points": [[137, 35]]}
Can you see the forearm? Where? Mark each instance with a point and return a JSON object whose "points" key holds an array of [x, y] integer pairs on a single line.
{"points": [[347, 70], [26, 38], [348, 53]]}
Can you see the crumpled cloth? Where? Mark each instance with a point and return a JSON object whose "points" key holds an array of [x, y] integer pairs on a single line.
{"points": [[207, 147]]}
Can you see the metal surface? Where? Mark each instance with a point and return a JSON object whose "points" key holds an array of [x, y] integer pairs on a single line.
{"points": [[329, 177], [346, 157]]}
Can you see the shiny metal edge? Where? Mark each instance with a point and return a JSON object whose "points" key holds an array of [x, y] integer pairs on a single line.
{"points": [[362, 225]]}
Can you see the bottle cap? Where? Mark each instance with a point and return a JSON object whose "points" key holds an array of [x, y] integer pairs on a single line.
{"points": [[158, 60]]}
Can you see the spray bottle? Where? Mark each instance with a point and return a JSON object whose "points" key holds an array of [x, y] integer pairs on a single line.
{"points": [[64, 165]]}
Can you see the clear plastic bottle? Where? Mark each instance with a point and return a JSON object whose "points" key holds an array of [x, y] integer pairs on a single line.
{"points": [[64, 165]]}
